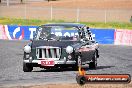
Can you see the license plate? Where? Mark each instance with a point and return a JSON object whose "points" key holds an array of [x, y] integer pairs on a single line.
{"points": [[47, 63]]}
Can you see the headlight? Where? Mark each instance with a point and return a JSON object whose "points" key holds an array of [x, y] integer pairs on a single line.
{"points": [[27, 49], [69, 49]]}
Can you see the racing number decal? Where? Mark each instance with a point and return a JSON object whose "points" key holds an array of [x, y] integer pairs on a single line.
{"points": [[47, 63]]}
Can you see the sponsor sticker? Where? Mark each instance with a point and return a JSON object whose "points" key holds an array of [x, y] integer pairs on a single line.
{"points": [[83, 78]]}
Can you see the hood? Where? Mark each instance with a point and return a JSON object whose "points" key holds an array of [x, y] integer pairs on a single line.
{"points": [[63, 44]]}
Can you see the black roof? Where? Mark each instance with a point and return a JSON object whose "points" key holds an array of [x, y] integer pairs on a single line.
{"points": [[66, 24]]}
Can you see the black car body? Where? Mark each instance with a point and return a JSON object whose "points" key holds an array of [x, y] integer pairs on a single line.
{"points": [[50, 48]]}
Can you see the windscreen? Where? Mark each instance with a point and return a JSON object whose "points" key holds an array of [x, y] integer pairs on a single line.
{"points": [[56, 33]]}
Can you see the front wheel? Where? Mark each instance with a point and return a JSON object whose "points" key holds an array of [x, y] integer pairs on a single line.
{"points": [[78, 63], [93, 65], [27, 67]]}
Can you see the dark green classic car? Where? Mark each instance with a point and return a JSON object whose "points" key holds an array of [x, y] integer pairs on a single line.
{"points": [[61, 45]]}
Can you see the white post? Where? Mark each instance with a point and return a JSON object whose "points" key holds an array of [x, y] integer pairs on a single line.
{"points": [[7, 2], [25, 11], [105, 16], [78, 13], [51, 13]]}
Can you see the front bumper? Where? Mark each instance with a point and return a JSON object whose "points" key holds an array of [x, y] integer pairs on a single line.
{"points": [[55, 61]]}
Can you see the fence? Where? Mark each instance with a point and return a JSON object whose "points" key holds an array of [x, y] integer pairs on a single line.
{"points": [[66, 14]]}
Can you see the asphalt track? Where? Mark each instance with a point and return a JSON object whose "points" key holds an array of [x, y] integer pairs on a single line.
{"points": [[113, 59]]}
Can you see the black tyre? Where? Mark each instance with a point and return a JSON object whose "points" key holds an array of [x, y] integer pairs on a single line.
{"points": [[93, 65], [80, 79], [78, 63], [27, 67]]}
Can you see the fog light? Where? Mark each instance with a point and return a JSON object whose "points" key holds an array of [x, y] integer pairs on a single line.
{"points": [[27, 56], [69, 57]]}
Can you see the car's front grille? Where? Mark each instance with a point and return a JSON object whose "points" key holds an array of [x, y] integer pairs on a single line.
{"points": [[53, 52]]}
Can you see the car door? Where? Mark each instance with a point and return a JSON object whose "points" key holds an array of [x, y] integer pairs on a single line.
{"points": [[86, 52], [90, 52]]}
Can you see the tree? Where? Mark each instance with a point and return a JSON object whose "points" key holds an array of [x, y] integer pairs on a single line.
{"points": [[0, 1], [131, 19]]}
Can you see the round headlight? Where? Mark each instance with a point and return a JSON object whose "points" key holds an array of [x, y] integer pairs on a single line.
{"points": [[27, 49], [69, 49]]}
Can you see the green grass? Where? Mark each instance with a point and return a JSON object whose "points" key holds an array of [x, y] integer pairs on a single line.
{"points": [[36, 22]]}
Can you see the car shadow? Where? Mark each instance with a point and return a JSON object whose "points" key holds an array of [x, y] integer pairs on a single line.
{"points": [[104, 67], [100, 67], [56, 70], [19, 54], [71, 69]]}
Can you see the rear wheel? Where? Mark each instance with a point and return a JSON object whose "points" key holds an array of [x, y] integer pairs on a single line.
{"points": [[27, 67], [93, 65]]}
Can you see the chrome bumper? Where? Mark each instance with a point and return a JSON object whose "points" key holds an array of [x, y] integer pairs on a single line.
{"points": [[55, 61]]}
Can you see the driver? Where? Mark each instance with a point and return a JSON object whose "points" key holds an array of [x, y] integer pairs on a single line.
{"points": [[43, 35]]}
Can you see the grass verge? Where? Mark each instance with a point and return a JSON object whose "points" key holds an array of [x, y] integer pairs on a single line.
{"points": [[36, 22]]}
